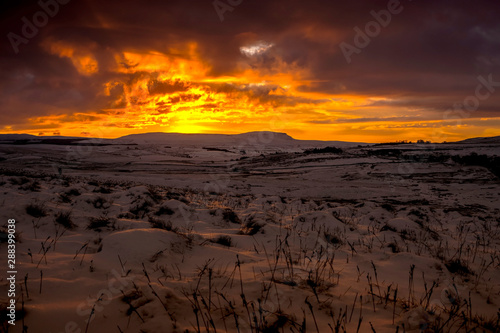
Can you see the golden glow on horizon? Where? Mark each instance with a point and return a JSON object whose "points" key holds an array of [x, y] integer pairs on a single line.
{"points": [[175, 92]]}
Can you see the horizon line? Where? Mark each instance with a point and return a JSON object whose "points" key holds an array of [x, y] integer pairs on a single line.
{"points": [[423, 140]]}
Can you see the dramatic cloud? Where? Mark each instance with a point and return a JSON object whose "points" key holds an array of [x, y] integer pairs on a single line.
{"points": [[362, 71], [256, 49]]}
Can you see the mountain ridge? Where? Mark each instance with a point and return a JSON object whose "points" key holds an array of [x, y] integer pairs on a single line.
{"points": [[482, 140], [256, 137]]}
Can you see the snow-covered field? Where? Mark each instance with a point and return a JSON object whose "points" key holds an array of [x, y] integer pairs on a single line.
{"points": [[259, 235]]}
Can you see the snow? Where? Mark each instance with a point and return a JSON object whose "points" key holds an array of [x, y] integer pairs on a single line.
{"points": [[312, 237]]}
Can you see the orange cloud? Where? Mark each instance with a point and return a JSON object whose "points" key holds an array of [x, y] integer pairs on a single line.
{"points": [[82, 59], [175, 91]]}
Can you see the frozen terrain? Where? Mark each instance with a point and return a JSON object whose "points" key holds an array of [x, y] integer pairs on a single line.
{"points": [[251, 233]]}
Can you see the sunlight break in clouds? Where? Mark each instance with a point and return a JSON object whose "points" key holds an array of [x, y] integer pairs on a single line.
{"points": [[256, 49], [174, 66]]}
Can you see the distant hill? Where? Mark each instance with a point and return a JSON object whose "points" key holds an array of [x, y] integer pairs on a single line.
{"points": [[205, 139], [273, 139], [14, 137], [258, 138], [248, 140], [28, 139], [484, 140]]}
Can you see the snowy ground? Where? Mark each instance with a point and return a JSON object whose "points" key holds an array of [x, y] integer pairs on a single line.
{"points": [[155, 237]]}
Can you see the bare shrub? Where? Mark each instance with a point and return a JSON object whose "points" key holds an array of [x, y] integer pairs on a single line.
{"points": [[36, 210], [64, 219], [102, 222]]}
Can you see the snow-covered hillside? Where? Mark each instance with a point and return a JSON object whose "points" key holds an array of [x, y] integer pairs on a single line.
{"points": [[149, 236]]}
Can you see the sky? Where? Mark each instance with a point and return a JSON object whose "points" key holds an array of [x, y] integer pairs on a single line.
{"points": [[363, 71]]}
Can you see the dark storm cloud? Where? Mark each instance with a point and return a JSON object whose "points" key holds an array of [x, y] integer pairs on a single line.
{"points": [[162, 108], [184, 98], [156, 87], [261, 93], [431, 48]]}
